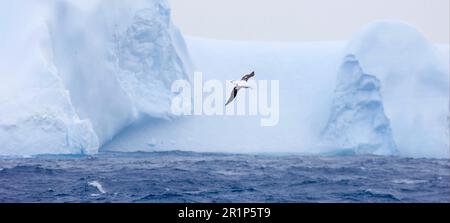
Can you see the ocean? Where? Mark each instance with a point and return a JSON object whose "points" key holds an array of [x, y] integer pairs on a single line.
{"points": [[179, 177]]}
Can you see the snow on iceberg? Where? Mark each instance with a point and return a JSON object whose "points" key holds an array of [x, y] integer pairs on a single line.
{"points": [[306, 73], [36, 111], [149, 60], [357, 122], [75, 73], [383, 117], [414, 79]]}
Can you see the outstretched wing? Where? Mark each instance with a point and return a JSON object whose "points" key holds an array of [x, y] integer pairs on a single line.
{"points": [[232, 96], [248, 76]]}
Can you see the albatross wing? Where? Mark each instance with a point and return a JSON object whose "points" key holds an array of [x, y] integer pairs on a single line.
{"points": [[248, 76], [232, 96]]}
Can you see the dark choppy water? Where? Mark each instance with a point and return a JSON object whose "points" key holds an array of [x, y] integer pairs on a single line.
{"points": [[199, 177]]}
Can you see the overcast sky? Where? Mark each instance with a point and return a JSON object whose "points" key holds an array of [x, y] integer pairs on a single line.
{"points": [[305, 20]]}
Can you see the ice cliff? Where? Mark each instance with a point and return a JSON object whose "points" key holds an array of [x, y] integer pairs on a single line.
{"points": [[358, 122], [75, 73], [414, 79], [79, 75], [385, 91]]}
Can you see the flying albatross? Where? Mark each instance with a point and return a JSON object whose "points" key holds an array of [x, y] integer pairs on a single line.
{"points": [[239, 85]]}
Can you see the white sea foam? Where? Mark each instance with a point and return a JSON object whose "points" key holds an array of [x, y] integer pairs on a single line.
{"points": [[97, 185]]}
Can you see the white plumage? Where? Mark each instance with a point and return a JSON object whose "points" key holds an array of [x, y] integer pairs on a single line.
{"points": [[239, 84]]}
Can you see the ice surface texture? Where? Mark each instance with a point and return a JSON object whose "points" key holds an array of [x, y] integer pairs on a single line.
{"points": [[77, 76], [359, 97], [78, 72], [358, 121], [414, 77]]}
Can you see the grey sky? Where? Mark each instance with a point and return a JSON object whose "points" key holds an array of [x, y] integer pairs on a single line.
{"points": [[305, 20]]}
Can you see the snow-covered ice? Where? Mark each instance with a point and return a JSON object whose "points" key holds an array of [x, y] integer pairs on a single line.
{"points": [[383, 115], [358, 121], [79, 76], [414, 76], [75, 73]]}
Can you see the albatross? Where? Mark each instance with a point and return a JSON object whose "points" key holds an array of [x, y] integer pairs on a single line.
{"points": [[239, 85]]}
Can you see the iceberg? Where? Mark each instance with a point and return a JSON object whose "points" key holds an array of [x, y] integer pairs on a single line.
{"points": [[79, 77], [414, 78], [358, 122], [305, 91], [384, 92], [36, 111], [78, 72]]}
